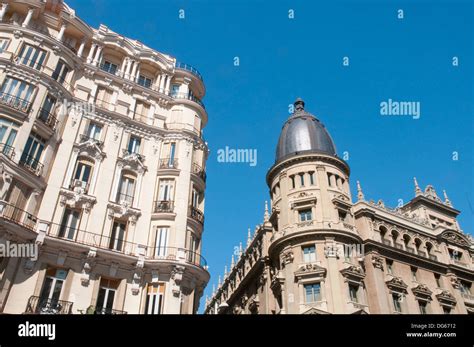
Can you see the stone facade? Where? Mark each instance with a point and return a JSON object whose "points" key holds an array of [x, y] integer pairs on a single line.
{"points": [[102, 165], [318, 252]]}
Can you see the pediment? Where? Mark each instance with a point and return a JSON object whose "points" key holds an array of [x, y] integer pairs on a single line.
{"points": [[455, 237], [396, 283]]}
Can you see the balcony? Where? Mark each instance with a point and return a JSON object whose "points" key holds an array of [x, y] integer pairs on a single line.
{"points": [[168, 163], [187, 67], [85, 138], [187, 97], [123, 198], [47, 118], [163, 206], [18, 216], [104, 310], [176, 254], [82, 237], [398, 245], [31, 164], [199, 171], [39, 305], [127, 153], [15, 102], [79, 186], [196, 214], [7, 151]]}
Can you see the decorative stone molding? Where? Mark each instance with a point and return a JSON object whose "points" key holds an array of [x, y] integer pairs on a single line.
{"points": [[353, 272], [76, 198], [61, 259], [177, 277], [133, 162], [422, 291], [397, 284], [455, 237], [455, 282], [138, 275], [377, 261], [89, 148], [311, 269], [123, 210], [87, 266], [287, 257], [445, 298]]}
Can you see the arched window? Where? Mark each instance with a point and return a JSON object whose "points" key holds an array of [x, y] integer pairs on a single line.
{"points": [[395, 235]]}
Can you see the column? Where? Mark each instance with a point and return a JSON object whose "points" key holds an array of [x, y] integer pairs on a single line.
{"points": [[28, 18], [129, 66], [3, 11], [168, 82], [97, 55], [61, 32], [91, 53], [124, 66], [81, 48], [134, 70], [162, 83]]}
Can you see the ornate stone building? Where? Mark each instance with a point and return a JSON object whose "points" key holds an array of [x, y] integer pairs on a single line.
{"points": [[319, 252], [102, 165]]}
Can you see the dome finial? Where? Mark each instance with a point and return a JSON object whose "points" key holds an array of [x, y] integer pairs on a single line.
{"points": [[299, 104]]}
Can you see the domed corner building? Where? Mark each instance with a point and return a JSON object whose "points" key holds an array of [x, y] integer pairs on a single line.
{"points": [[319, 251]]}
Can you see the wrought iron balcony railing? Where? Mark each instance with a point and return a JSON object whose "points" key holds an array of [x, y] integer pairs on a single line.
{"points": [[31, 164], [187, 67], [124, 198], [15, 102], [163, 206], [79, 184], [196, 214], [199, 171], [104, 310], [18, 216], [187, 97], [168, 163], [48, 118], [40, 305], [176, 254], [7, 151]]}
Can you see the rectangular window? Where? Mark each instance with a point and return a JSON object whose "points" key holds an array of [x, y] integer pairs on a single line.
{"points": [[141, 110], [309, 254], [117, 238], [126, 189], [446, 310], [106, 296], [8, 132], [31, 56], [47, 108], [3, 44], [69, 224], [353, 291], [293, 183], [103, 96], [389, 266], [438, 280], [61, 71], [301, 179], [82, 173], [305, 215], [161, 242], [33, 150], [312, 292], [196, 198], [172, 152], [134, 144], [414, 271], [51, 291], [311, 178], [144, 81], [16, 93], [166, 190], [396, 299], [455, 255], [175, 90], [154, 298], [109, 67], [94, 130]]}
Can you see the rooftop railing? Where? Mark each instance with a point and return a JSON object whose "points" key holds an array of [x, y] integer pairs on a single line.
{"points": [[187, 67]]}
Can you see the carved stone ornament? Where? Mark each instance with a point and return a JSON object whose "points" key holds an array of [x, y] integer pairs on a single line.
{"points": [[422, 291], [377, 262], [87, 266], [123, 210], [76, 198], [397, 284]]}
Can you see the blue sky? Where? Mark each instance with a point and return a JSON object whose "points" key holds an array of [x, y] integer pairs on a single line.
{"points": [[282, 58]]}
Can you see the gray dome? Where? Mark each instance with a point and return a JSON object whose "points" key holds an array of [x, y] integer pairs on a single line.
{"points": [[303, 133]]}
